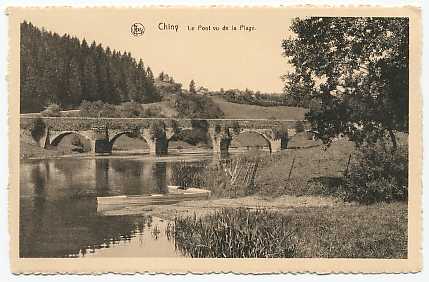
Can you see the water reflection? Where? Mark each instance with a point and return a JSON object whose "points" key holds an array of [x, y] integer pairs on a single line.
{"points": [[58, 215]]}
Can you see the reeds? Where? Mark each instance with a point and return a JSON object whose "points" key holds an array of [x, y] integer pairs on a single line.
{"points": [[233, 233], [226, 178], [188, 174]]}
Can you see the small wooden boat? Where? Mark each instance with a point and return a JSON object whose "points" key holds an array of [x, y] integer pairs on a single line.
{"points": [[175, 194]]}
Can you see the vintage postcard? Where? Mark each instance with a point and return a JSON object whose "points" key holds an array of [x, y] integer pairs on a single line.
{"points": [[215, 139]]}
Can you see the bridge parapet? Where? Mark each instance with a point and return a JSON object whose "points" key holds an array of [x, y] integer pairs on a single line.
{"points": [[83, 123], [86, 123]]}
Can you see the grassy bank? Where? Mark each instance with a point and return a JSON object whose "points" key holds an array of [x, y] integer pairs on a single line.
{"points": [[358, 231], [304, 170], [308, 170], [376, 231]]}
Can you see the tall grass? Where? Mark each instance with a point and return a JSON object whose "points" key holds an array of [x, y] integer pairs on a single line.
{"points": [[188, 174], [356, 231], [225, 178], [233, 233]]}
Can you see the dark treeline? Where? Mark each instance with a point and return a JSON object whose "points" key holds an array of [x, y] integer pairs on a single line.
{"points": [[66, 71]]}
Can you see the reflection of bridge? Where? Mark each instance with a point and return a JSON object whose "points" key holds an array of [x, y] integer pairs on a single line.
{"points": [[102, 132]]}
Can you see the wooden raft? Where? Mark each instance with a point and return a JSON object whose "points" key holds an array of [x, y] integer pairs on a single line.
{"points": [[173, 196]]}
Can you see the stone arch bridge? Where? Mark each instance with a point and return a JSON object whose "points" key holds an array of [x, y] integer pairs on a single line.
{"points": [[102, 132]]}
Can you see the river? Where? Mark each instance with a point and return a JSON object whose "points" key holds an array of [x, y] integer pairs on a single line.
{"points": [[58, 211]]}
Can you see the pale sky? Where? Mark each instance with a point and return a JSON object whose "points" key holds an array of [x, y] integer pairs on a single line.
{"points": [[214, 59]]}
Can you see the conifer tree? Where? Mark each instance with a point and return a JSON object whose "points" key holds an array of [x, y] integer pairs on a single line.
{"points": [[161, 76], [90, 85], [192, 89], [151, 92], [150, 75], [141, 81], [73, 87]]}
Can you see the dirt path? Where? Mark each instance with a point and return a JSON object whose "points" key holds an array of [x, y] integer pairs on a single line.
{"points": [[202, 207]]}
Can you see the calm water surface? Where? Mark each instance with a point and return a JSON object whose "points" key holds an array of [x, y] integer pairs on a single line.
{"points": [[58, 211]]}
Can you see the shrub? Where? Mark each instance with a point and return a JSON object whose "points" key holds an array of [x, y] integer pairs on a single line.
{"points": [[53, 110], [378, 175], [149, 112], [280, 132], [130, 109], [109, 110], [218, 128], [299, 126], [236, 127], [157, 129], [175, 126], [197, 106], [185, 136], [98, 109], [75, 141], [37, 129], [310, 135], [198, 134], [77, 145]]}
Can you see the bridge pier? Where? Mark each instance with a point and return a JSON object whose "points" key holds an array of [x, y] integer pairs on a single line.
{"points": [[221, 139], [276, 145], [100, 141], [101, 146], [157, 141], [158, 146]]}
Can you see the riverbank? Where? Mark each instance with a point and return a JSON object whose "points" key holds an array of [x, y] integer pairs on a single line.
{"points": [[300, 184], [203, 207], [321, 226]]}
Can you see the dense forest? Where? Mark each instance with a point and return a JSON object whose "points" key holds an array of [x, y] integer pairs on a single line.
{"points": [[66, 71]]}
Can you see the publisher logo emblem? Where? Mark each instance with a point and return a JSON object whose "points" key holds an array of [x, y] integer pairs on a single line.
{"points": [[137, 29]]}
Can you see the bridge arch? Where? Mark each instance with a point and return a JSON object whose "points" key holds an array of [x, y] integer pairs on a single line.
{"points": [[129, 133], [56, 139], [266, 138]]}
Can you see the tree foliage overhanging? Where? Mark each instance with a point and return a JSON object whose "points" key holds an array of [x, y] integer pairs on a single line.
{"points": [[356, 70], [65, 71]]}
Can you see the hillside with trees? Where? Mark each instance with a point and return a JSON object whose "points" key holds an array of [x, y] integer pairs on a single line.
{"points": [[64, 70]]}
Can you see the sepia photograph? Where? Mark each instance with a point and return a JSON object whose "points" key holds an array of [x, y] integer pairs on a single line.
{"points": [[216, 134]]}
